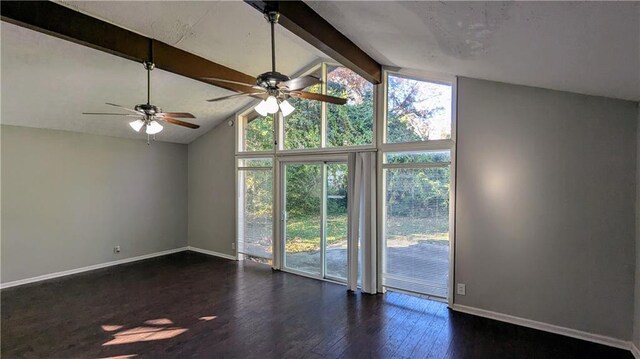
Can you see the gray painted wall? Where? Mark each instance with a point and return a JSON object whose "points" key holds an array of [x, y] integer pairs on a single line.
{"points": [[69, 198], [636, 317], [545, 205], [212, 206]]}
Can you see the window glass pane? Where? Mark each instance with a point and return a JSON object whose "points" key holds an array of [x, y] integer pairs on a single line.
{"points": [[417, 229], [258, 132], [255, 162], [418, 157], [417, 110], [303, 217], [336, 202], [350, 124], [255, 213], [302, 126]]}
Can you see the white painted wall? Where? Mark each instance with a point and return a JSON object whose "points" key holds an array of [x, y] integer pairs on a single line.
{"points": [[545, 205], [212, 206], [545, 226], [636, 316], [69, 198]]}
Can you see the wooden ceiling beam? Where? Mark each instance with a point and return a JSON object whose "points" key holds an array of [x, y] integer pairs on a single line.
{"points": [[59, 21], [300, 19]]}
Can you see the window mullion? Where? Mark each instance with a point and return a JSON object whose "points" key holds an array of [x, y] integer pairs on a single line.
{"points": [[323, 109]]}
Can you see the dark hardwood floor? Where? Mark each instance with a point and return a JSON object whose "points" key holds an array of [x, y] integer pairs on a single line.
{"points": [[188, 305]]}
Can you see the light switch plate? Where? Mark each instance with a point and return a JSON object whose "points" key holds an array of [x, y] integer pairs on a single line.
{"points": [[462, 289]]}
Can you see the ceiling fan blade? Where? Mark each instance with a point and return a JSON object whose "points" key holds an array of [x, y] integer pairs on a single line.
{"points": [[235, 96], [110, 114], [175, 114], [300, 83], [180, 123], [318, 97], [124, 108], [215, 79]]}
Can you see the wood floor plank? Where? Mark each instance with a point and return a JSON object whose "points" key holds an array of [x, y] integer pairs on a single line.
{"points": [[188, 305]]}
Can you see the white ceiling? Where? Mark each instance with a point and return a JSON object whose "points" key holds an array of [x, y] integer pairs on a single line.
{"points": [[48, 82], [585, 47], [230, 33]]}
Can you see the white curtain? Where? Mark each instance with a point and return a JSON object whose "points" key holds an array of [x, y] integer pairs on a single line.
{"points": [[362, 246]]}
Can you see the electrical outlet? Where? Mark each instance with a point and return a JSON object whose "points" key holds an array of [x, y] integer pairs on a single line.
{"points": [[116, 249], [462, 289], [233, 245]]}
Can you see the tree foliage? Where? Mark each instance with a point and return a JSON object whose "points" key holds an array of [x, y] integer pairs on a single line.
{"points": [[416, 111], [350, 124]]}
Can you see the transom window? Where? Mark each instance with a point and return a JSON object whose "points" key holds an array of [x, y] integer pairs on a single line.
{"points": [[257, 132], [350, 124], [417, 110], [313, 124]]}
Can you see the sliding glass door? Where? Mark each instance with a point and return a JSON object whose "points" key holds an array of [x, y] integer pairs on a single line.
{"points": [[314, 216], [303, 218], [336, 221]]}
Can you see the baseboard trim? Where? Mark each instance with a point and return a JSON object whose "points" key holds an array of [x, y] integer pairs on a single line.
{"points": [[635, 351], [88, 268], [212, 253], [578, 334]]}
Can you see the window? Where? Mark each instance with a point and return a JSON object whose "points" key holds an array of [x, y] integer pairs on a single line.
{"points": [[255, 207], [315, 125], [417, 157], [417, 110], [302, 128], [416, 180], [315, 221], [306, 153], [257, 132], [350, 124], [416, 235]]}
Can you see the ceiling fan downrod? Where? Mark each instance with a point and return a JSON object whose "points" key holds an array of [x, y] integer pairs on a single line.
{"points": [[149, 65], [272, 17]]}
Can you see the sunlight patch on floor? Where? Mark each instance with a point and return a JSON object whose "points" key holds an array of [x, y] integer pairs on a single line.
{"points": [[161, 321], [111, 328], [145, 334], [208, 318]]}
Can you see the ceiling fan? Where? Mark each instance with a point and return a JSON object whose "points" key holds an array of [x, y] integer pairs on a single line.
{"points": [[275, 88], [149, 116]]}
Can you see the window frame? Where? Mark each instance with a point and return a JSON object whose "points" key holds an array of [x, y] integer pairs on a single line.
{"points": [[433, 145], [239, 195], [240, 124], [278, 123], [435, 78], [279, 154], [241, 118], [382, 213]]}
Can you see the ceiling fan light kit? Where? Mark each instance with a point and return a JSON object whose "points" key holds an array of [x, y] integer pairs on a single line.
{"points": [[274, 88], [286, 108], [153, 127], [150, 116], [136, 125]]}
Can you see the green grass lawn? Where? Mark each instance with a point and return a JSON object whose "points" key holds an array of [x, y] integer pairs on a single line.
{"points": [[303, 233]]}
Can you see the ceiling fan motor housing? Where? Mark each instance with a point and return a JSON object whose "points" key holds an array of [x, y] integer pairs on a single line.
{"points": [[149, 110], [271, 79]]}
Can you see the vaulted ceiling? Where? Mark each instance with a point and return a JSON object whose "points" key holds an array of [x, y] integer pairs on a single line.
{"points": [[48, 82], [585, 47], [590, 47]]}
